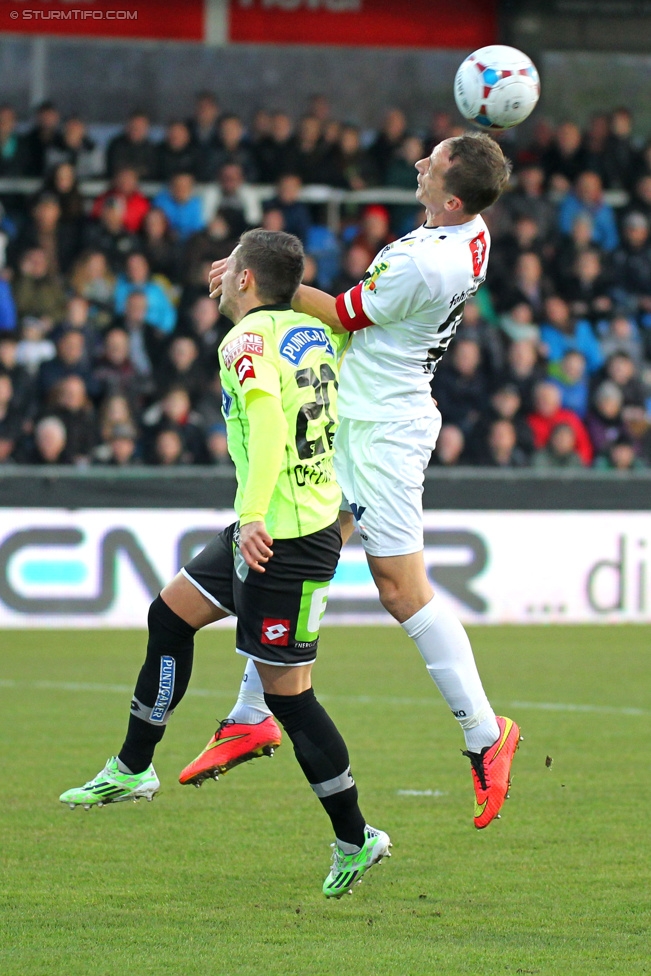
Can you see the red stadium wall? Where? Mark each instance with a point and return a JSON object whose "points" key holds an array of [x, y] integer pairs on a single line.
{"points": [[462, 24], [376, 23]]}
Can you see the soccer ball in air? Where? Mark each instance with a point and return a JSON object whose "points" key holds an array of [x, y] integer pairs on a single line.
{"points": [[496, 87]]}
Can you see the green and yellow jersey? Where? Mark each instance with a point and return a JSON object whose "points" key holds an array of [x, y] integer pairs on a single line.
{"points": [[274, 351]]}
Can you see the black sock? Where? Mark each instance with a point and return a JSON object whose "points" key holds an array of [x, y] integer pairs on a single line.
{"points": [[323, 757], [161, 684]]}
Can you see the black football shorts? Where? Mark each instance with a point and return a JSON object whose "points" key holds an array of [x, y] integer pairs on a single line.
{"points": [[279, 611]]}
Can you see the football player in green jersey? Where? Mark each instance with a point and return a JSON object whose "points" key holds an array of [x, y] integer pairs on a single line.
{"points": [[401, 317], [271, 568]]}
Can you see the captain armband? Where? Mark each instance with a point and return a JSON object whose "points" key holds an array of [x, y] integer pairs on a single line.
{"points": [[351, 311]]}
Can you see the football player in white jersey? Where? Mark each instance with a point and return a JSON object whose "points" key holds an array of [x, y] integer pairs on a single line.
{"points": [[401, 318]]}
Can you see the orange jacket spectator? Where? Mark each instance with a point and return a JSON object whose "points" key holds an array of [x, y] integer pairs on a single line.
{"points": [[125, 186], [548, 413]]}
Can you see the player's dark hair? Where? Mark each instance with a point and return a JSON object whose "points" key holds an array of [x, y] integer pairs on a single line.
{"points": [[277, 261], [479, 173]]}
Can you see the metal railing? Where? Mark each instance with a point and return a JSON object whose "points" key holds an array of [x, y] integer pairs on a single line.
{"points": [[331, 198]]}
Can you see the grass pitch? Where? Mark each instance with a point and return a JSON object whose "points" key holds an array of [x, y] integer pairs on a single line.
{"points": [[226, 880]]}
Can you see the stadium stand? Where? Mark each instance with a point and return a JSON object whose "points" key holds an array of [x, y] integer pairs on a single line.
{"points": [[108, 343]]}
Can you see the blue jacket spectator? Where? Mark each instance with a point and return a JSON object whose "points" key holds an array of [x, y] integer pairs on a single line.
{"points": [[8, 318], [69, 361], [631, 266], [182, 208], [587, 198], [560, 333], [296, 213], [571, 377], [160, 311]]}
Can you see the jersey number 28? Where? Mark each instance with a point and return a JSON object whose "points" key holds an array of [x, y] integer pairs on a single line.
{"points": [[313, 410]]}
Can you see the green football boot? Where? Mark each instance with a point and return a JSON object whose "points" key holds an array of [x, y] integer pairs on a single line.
{"points": [[112, 786], [349, 869]]}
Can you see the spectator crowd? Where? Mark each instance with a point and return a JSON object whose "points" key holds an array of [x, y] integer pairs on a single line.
{"points": [[108, 340]]}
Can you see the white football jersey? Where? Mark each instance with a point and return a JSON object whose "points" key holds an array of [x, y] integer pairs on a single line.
{"points": [[407, 309]]}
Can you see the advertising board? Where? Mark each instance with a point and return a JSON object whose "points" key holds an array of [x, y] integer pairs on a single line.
{"points": [[102, 567]]}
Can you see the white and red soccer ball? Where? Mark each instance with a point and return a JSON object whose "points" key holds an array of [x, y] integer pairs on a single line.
{"points": [[496, 87]]}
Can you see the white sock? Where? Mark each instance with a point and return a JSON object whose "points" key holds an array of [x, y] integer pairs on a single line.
{"points": [[444, 645], [250, 707]]}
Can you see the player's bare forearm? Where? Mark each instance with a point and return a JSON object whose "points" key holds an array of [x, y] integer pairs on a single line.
{"points": [[313, 301]]}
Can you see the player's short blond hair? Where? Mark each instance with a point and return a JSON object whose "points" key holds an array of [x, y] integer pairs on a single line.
{"points": [[479, 172]]}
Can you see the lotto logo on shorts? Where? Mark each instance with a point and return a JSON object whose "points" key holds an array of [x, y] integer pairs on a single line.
{"points": [[275, 631], [244, 369]]}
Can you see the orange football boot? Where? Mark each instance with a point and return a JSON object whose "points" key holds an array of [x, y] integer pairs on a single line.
{"points": [[233, 743], [491, 772]]}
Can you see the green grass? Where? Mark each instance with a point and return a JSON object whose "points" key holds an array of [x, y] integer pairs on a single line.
{"points": [[226, 880]]}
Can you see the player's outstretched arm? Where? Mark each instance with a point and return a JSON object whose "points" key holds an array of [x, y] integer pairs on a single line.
{"points": [[313, 301]]}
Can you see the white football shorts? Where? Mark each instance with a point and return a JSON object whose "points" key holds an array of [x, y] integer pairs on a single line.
{"points": [[380, 469]]}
